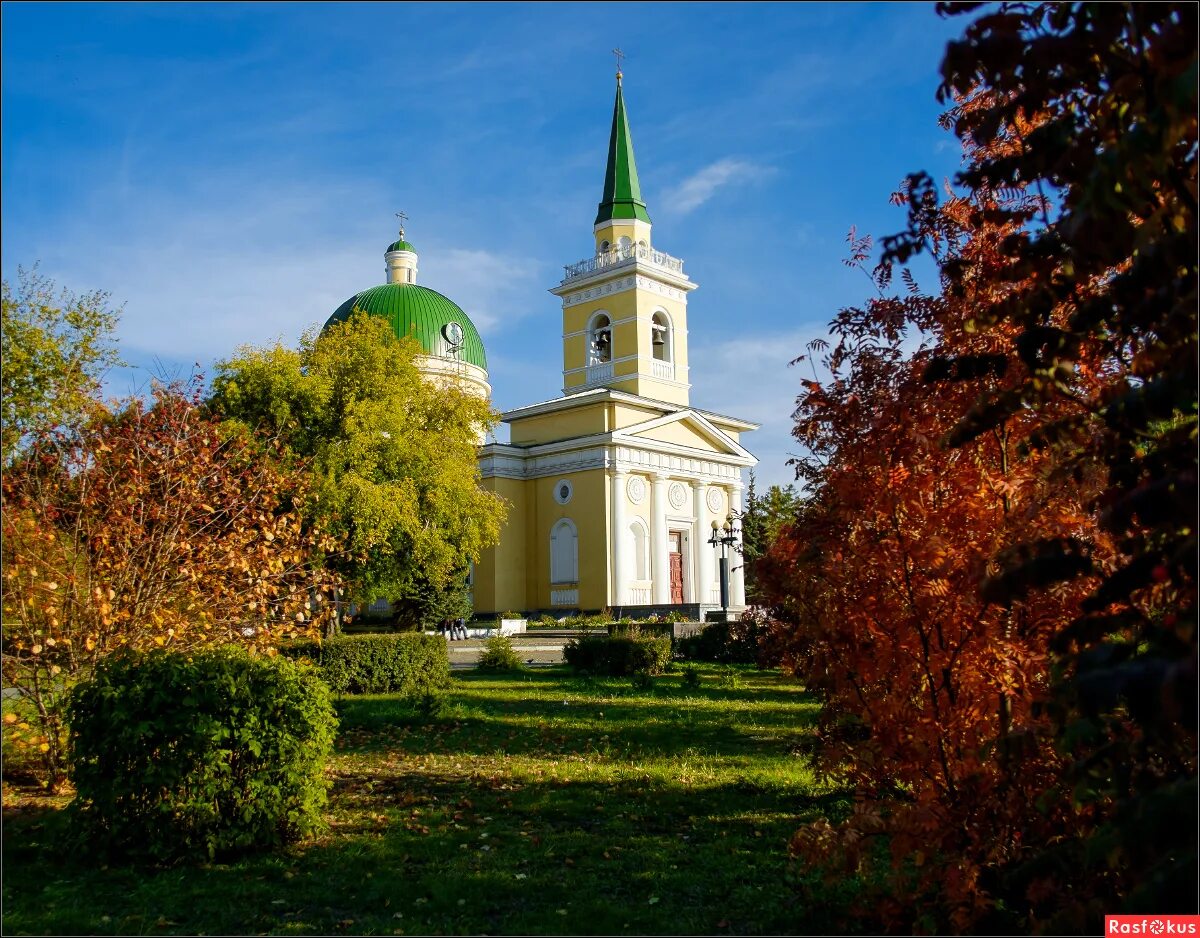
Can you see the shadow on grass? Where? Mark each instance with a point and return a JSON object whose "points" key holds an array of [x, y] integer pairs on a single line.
{"points": [[605, 716], [420, 846]]}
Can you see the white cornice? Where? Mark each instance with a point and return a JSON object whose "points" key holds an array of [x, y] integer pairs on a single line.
{"points": [[736, 454], [624, 276], [499, 460]]}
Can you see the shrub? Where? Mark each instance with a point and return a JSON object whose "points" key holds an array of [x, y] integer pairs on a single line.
{"points": [[181, 755], [599, 654], [690, 679], [408, 663], [740, 642], [499, 655]]}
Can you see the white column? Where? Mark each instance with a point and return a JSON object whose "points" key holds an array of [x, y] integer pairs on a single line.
{"points": [[617, 539], [737, 573], [662, 563], [704, 550]]}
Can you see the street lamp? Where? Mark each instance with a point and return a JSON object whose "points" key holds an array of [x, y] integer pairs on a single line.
{"points": [[722, 539]]}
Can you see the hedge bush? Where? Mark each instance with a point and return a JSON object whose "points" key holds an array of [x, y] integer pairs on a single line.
{"points": [[412, 664], [181, 756], [599, 654], [726, 643]]}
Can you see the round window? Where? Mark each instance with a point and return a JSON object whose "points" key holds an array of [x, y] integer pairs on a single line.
{"points": [[563, 491]]}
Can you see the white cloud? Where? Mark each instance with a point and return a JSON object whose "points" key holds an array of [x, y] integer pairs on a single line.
{"points": [[703, 184], [490, 287], [749, 377], [202, 273]]}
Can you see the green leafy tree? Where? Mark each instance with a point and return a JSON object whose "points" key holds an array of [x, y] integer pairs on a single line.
{"points": [[762, 520], [393, 455], [425, 605], [56, 347]]}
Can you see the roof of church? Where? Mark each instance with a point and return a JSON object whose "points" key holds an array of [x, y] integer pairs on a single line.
{"points": [[400, 245], [622, 197], [419, 312]]}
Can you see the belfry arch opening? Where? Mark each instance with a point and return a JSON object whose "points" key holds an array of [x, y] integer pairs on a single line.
{"points": [[661, 340], [600, 340]]}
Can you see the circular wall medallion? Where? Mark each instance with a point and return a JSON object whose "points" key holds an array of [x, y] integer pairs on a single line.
{"points": [[716, 501], [677, 495], [563, 490], [635, 488]]}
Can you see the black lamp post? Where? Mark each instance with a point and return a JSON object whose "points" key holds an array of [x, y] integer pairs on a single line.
{"points": [[723, 538]]}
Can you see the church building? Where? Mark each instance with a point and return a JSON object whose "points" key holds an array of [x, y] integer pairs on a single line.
{"points": [[613, 487]]}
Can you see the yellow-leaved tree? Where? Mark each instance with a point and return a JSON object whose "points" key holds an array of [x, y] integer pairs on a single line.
{"points": [[392, 456]]}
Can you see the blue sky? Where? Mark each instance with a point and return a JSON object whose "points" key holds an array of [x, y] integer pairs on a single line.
{"points": [[230, 173]]}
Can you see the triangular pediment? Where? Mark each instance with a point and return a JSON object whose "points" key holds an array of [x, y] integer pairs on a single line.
{"points": [[683, 428]]}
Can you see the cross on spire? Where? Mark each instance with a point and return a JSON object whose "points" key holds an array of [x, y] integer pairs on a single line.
{"points": [[620, 55], [403, 218]]}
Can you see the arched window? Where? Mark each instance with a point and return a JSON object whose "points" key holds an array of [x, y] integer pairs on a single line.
{"points": [[660, 337], [599, 340], [626, 244], [604, 246], [564, 552], [639, 554]]}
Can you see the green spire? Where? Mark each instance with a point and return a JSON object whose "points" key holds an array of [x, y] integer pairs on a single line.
{"points": [[622, 194]]}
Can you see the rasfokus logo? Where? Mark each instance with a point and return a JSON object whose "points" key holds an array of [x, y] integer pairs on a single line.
{"points": [[1152, 924]]}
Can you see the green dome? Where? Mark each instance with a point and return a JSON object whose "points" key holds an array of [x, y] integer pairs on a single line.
{"points": [[400, 245], [418, 312]]}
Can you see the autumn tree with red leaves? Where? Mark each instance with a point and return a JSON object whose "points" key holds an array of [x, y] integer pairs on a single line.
{"points": [[993, 584], [146, 528], [933, 693]]}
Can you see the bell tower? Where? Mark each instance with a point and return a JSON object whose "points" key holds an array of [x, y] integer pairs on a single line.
{"points": [[625, 308]]}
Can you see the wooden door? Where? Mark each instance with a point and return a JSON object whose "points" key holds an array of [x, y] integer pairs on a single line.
{"points": [[677, 568]]}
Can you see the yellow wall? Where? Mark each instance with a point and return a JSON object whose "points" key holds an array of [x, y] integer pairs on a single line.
{"points": [[560, 425], [630, 312], [515, 575], [681, 434], [626, 415], [617, 306], [588, 509], [615, 230], [498, 583]]}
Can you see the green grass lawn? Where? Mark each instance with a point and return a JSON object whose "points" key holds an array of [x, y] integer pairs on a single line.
{"points": [[539, 803]]}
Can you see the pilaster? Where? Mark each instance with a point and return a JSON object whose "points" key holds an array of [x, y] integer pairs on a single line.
{"points": [[617, 539], [662, 564]]}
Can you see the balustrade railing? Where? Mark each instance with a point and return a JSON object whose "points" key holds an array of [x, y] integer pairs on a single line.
{"points": [[597, 373], [564, 597], [663, 370], [619, 256], [639, 596]]}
